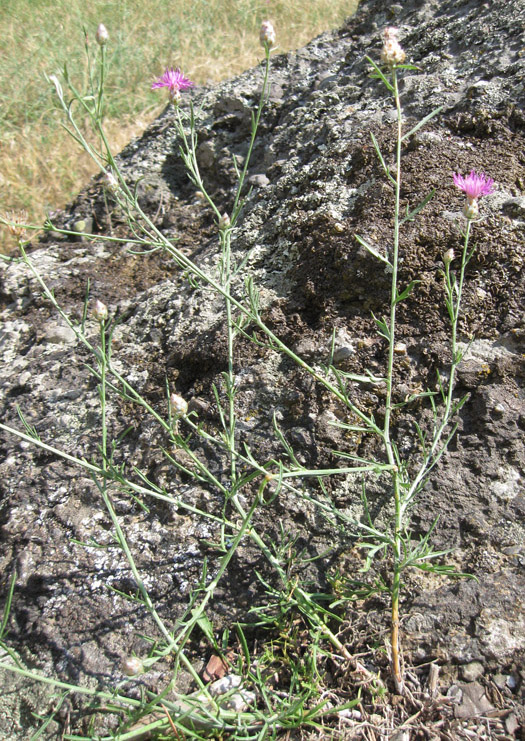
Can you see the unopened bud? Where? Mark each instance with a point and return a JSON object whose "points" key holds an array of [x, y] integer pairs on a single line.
{"points": [[131, 666], [179, 405], [224, 222], [110, 181], [102, 35], [100, 311], [471, 210], [267, 34], [448, 257]]}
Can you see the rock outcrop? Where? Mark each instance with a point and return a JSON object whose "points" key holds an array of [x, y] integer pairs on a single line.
{"points": [[316, 183]]}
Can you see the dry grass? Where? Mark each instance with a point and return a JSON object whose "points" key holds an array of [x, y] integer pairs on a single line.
{"points": [[40, 166]]}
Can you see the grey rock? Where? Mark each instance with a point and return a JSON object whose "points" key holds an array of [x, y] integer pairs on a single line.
{"points": [[471, 672], [259, 181], [57, 334], [473, 703]]}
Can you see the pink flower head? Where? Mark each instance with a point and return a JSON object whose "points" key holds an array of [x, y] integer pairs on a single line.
{"points": [[175, 81], [474, 185]]}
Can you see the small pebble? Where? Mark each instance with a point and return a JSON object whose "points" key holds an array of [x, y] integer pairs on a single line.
{"points": [[342, 353], [501, 680], [237, 701], [224, 685], [472, 671], [59, 335]]}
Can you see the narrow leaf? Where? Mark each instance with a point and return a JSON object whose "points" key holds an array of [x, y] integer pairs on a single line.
{"points": [[380, 75], [369, 378], [410, 215], [382, 327], [372, 251], [423, 121], [381, 159], [204, 624], [408, 66], [407, 291]]}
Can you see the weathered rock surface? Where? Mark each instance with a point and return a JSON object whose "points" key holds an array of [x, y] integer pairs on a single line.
{"points": [[316, 183]]}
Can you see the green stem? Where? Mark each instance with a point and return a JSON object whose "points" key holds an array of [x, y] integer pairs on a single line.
{"points": [[454, 294], [389, 446], [102, 392], [100, 98], [227, 274], [230, 328], [104, 486], [255, 126]]}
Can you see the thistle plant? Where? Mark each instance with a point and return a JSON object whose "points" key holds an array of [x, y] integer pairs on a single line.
{"points": [[409, 477], [245, 483], [236, 521]]}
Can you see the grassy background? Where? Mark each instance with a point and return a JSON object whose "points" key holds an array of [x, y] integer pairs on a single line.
{"points": [[41, 168]]}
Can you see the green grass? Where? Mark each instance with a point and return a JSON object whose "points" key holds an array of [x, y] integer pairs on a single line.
{"points": [[39, 167]]}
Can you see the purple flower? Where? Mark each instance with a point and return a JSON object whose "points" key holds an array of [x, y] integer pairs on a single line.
{"points": [[474, 185], [175, 81]]}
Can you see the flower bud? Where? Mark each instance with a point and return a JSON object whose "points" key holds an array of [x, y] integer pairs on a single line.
{"points": [[111, 182], [448, 256], [102, 35], [179, 406], [267, 34], [131, 666], [100, 311], [224, 222]]}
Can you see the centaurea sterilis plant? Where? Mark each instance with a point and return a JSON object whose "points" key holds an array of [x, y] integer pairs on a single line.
{"points": [[474, 186], [175, 81]]}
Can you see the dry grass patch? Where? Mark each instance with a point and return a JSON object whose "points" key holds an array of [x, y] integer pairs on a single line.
{"points": [[40, 166]]}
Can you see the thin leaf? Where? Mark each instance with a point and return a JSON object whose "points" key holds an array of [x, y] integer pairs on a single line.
{"points": [[407, 291], [413, 397], [372, 250], [382, 327], [410, 215], [422, 439], [205, 625], [8, 602], [350, 428], [31, 430], [368, 378], [423, 121], [380, 75], [381, 159]]}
